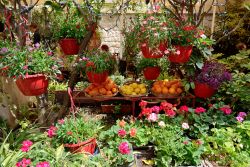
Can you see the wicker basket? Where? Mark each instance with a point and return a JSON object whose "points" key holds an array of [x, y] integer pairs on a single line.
{"points": [[130, 82]]}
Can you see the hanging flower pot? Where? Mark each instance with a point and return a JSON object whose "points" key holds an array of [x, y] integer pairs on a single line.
{"points": [[155, 52], [97, 78], [203, 90], [151, 73], [87, 146], [183, 54], [69, 46], [33, 85]]}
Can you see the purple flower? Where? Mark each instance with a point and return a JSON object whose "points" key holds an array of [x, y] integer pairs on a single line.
{"points": [[37, 45], [3, 50], [240, 119], [242, 114]]}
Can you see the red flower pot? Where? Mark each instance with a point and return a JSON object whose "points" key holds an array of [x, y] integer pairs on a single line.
{"points": [[32, 85], [69, 46], [203, 90], [97, 78], [87, 146], [151, 73], [183, 57], [153, 53]]}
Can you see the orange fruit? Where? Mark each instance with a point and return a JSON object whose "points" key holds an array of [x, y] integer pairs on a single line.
{"points": [[172, 90], [179, 90], [109, 93], [109, 86], [91, 86], [102, 91], [93, 92], [164, 90], [158, 89], [168, 84], [114, 90]]}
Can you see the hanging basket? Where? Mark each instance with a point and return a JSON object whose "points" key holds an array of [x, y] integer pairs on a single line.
{"points": [[153, 53], [97, 78], [69, 46], [183, 57], [203, 90], [87, 146], [151, 73], [33, 85]]}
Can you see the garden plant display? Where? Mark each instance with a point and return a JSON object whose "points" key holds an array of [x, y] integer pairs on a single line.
{"points": [[208, 125]]}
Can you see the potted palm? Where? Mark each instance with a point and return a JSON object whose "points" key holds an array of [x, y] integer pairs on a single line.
{"points": [[76, 133], [150, 67], [99, 66], [212, 75], [31, 67], [153, 34], [69, 29]]}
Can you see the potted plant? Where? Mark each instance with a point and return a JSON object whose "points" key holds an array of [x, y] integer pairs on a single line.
{"points": [[153, 34], [212, 75], [76, 133], [99, 66], [150, 67], [182, 39], [31, 67], [69, 29]]}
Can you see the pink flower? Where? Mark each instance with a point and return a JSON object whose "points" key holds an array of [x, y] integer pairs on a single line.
{"points": [[124, 148], [18, 164], [50, 53], [153, 117], [240, 119], [25, 67], [25, 149], [25, 162], [166, 105], [162, 124], [185, 142], [155, 109], [199, 110], [226, 109], [156, 34], [151, 17], [170, 113], [184, 108], [61, 121], [132, 132], [157, 7], [121, 133], [185, 125], [178, 52], [144, 45], [199, 142], [43, 164], [145, 112], [166, 52], [52, 131], [242, 114], [37, 45], [143, 104], [145, 22], [69, 133], [27, 143]]}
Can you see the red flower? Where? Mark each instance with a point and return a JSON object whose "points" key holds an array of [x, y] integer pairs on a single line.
{"points": [[166, 105], [52, 131], [90, 64], [143, 104], [170, 113], [69, 133], [185, 142], [133, 132], [184, 108], [124, 148], [199, 110], [122, 133], [189, 28], [145, 112], [226, 109]]}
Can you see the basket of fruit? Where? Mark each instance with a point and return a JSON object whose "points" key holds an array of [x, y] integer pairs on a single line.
{"points": [[165, 88], [107, 88], [133, 89]]}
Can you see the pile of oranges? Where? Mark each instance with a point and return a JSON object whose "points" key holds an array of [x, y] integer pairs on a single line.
{"points": [[165, 87], [107, 88]]}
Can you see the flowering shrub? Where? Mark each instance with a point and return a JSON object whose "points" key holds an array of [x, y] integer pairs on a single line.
{"points": [[30, 60], [213, 74]]}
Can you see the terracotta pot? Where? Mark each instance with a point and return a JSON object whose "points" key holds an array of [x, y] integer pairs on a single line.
{"points": [[87, 146], [69, 46], [151, 73], [33, 85], [203, 90], [97, 78], [183, 57], [153, 53]]}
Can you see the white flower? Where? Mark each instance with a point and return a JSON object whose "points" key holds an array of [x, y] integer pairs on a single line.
{"points": [[162, 124], [185, 125], [203, 36], [153, 117]]}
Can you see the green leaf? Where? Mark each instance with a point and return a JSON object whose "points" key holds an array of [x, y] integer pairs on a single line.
{"points": [[199, 65], [59, 152]]}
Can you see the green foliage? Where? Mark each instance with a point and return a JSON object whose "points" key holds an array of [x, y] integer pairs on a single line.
{"points": [[229, 146], [75, 130], [99, 61], [148, 62]]}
